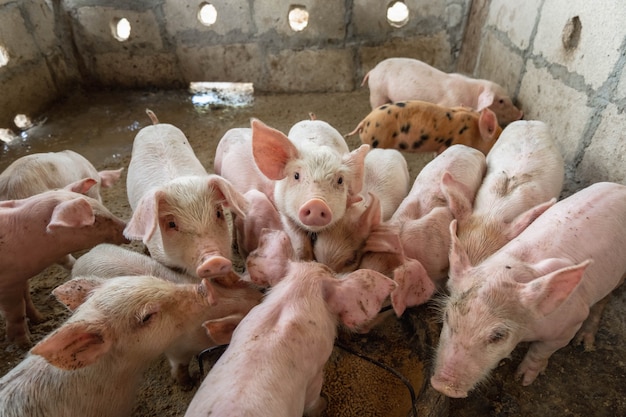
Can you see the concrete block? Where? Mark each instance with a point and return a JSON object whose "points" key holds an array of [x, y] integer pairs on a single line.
{"points": [[499, 64], [601, 35], [620, 93], [326, 19], [605, 157], [31, 91], [14, 36], [564, 109], [435, 50], [232, 16], [94, 33], [328, 70], [41, 17], [122, 70], [234, 63], [515, 19]]}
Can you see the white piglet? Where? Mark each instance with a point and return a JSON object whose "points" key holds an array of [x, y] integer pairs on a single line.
{"points": [[401, 79], [538, 288], [274, 365], [525, 173], [92, 365], [178, 208]]}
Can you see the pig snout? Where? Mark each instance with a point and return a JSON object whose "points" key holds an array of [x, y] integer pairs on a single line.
{"points": [[213, 265], [446, 386], [315, 213]]}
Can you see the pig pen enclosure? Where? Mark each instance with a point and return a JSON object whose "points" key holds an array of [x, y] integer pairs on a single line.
{"points": [[79, 74]]}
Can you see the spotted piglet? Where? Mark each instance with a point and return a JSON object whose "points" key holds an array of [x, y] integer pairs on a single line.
{"points": [[277, 354], [420, 126]]}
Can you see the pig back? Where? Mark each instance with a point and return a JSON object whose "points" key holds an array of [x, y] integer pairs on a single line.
{"points": [[160, 153]]}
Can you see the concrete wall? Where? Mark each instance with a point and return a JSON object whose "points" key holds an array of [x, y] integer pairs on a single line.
{"points": [[564, 61], [251, 41]]}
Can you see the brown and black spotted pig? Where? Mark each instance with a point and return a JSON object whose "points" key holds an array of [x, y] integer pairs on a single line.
{"points": [[419, 126]]}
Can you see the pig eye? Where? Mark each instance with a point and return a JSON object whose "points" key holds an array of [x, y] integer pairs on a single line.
{"points": [[501, 101], [219, 214], [497, 335], [296, 176], [340, 180], [171, 225]]}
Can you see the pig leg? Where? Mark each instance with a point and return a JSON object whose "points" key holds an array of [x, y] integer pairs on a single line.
{"points": [[536, 359], [31, 311], [315, 407], [13, 308], [180, 371], [587, 333]]}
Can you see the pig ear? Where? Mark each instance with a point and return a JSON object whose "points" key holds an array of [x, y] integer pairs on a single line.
{"points": [[414, 286], [459, 261], [458, 196], [357, 298], [384, 238], [74, 345], [74, 292], [272, 150], [143, 222], [485, 99], [355, 161], [110, 177], [488, 125], [545, 294], [230, 197], [268, 263], [221, 330], [372, 216], [81, 186], [208, 290], [72, 213], [522, 221]]}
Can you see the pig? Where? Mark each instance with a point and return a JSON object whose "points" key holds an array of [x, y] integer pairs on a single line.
{"points": [[261, 214], [39, 230], [420, 222], [238, 297], [387, 179], [525, 173], [35, 173], [178, 208], [420, 126], [314, 179], [541, 287], [401, 79], [285, 341], [92, 365]]}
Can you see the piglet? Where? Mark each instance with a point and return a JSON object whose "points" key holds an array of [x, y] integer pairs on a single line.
{"points": [[92, 365], [37, 232], [35, 173], [538, 288], [400, 79], [178, 208], [525, 172], [286, 340], [420, 126], [237, 298], [314, 178]]}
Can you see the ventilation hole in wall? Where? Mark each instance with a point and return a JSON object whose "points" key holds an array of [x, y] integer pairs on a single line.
{"points": [[120, 29], [221, 94], [22, 121], [207, 15], [298, 18], [571, 33], [7, 135], [397, 14], [4, 56]]}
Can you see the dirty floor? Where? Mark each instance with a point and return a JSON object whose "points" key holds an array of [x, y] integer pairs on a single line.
{"points": [[102, 125]]}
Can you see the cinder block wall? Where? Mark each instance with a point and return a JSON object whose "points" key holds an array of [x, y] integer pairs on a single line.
{"points": [[564, 61], [250, 41]]}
